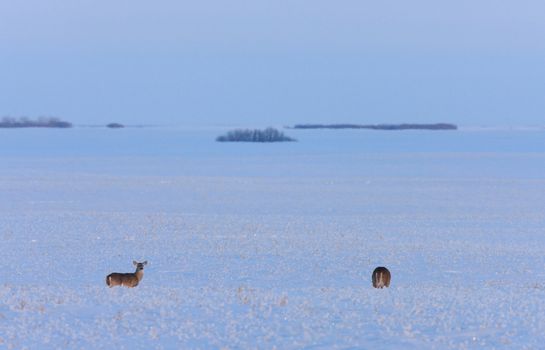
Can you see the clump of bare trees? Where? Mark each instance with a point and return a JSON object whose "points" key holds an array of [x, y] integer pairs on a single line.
{"points": [[42, 122], [255, 135]]}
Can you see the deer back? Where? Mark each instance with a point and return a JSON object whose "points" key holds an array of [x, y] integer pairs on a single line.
{"points": [[122, 279], [381, 277]]}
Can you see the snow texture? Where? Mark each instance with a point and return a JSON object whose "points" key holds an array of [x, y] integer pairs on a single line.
{"points": [[273, 248]]}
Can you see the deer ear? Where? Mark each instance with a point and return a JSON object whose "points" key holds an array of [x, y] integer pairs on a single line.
{"points": [[134, 262], [145, 262]]}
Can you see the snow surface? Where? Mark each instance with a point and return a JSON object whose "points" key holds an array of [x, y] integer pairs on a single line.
{"points": [[272, 246]]}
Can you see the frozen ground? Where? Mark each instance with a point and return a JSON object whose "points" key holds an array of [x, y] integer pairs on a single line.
{"points": [[272, 246]]}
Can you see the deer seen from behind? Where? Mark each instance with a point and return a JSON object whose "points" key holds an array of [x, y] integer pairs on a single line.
{"points": [[381, 277], [127, 279]]}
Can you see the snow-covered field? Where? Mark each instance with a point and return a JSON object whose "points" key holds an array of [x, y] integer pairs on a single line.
{"points": [[272, 246]]}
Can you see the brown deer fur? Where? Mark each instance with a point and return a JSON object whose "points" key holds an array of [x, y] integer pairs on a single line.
{"points": [[381, 277], [127, 279]]}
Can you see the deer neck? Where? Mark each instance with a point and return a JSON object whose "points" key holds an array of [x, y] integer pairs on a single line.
{"points": [[139, 274]]}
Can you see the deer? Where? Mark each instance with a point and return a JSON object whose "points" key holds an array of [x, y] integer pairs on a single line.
{"points": [[127, 279], [381, 277]]}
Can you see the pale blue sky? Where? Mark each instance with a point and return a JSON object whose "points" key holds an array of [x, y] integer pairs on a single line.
{"points": [[261, 63]]}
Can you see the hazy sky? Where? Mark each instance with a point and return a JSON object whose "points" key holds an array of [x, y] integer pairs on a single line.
{"points": [[259, 63]]}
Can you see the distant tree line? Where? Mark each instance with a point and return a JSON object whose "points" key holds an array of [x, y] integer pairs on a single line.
{"points": [[42, 122], [115, 126], [256, 135], [438, 126]]}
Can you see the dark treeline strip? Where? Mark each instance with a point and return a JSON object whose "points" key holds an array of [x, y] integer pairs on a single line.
{"points": [[248, 135], [438, 126], [43, 122]]}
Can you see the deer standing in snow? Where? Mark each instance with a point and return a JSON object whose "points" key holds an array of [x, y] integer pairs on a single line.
{"points": [[381, 277], [127, 279]]}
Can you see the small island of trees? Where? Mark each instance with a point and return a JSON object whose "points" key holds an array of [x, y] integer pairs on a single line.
{"points": [[256, 135], [42, 122], [115, 126]]}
